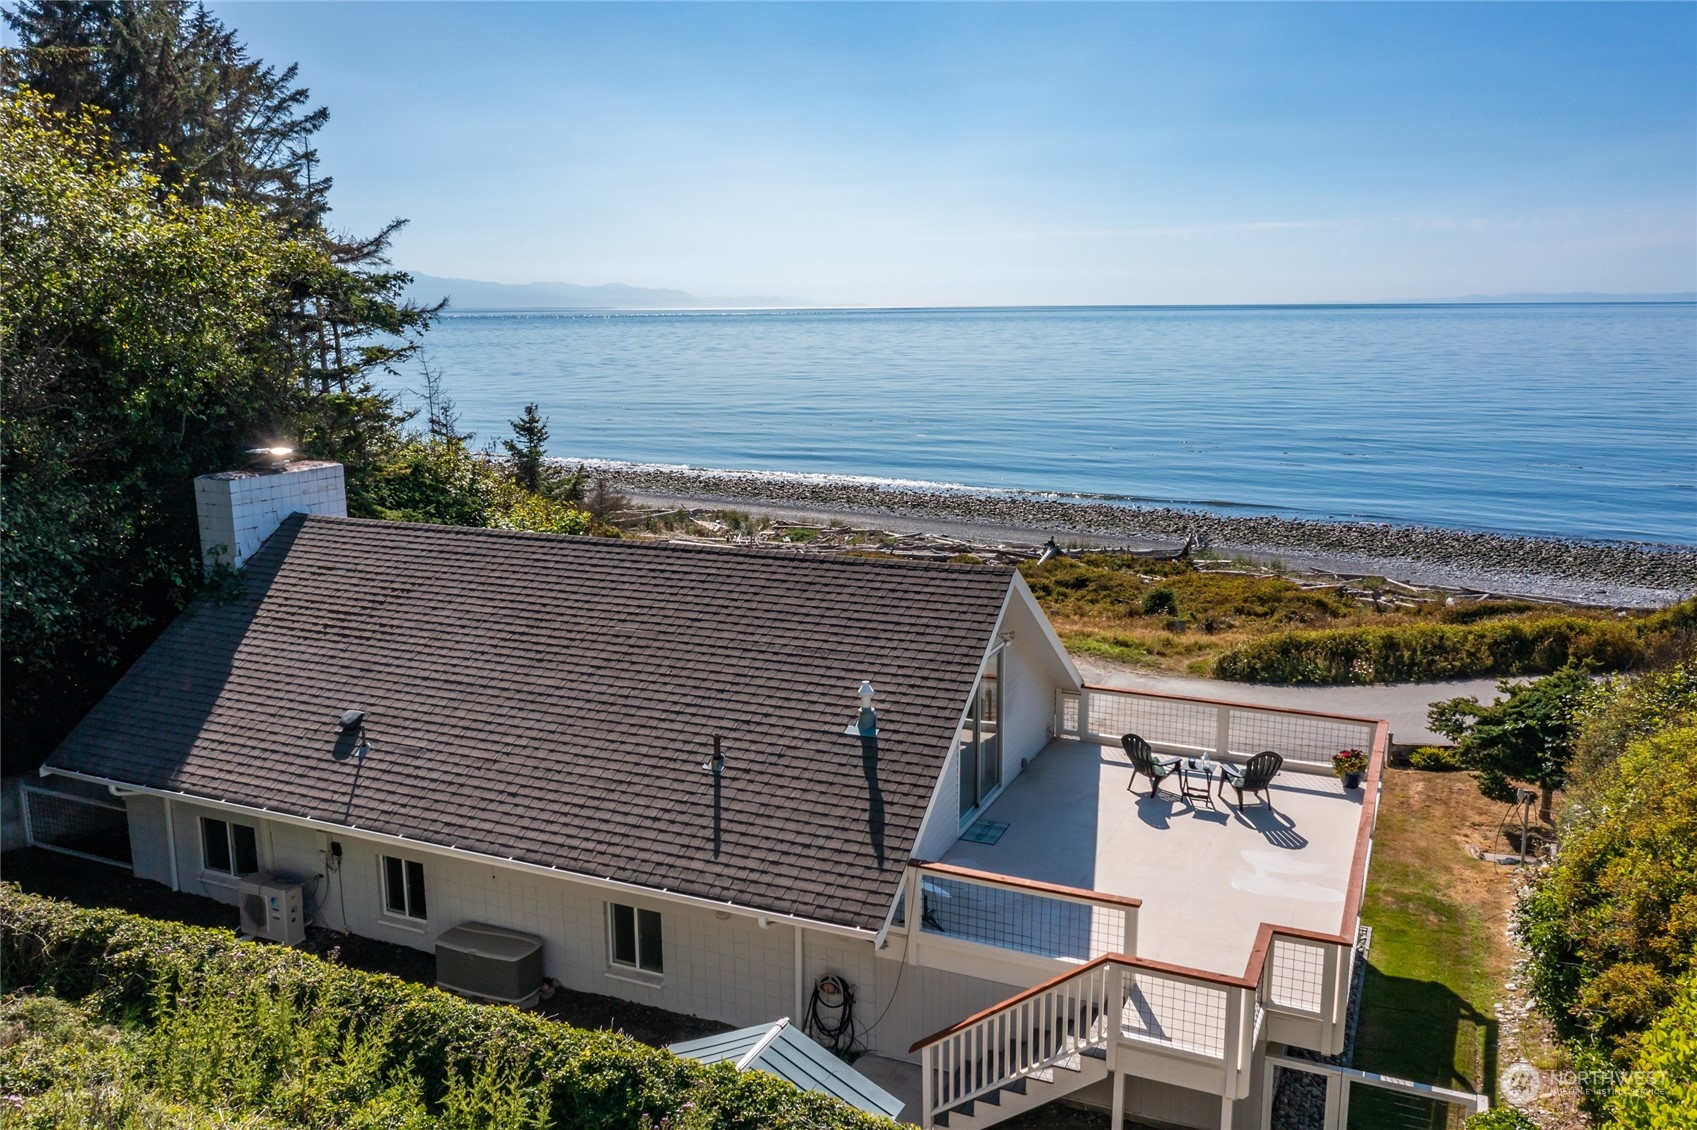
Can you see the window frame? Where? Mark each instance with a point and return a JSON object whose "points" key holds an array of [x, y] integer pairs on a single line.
{"points": [[414, 896], [979, 778], [645, 926], [232, 851]]}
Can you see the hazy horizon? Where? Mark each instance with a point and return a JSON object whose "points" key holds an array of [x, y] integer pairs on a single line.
{"points": [[969, 155]]}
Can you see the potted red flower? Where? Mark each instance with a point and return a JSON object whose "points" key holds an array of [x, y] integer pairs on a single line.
{"points": [[1350, 764]]}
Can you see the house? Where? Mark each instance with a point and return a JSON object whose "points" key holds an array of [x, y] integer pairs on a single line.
{"points": [[650, 757]]}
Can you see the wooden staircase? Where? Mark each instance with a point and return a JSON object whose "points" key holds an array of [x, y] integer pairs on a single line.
{"points": [[1034, 1048], [1033, 1089]]}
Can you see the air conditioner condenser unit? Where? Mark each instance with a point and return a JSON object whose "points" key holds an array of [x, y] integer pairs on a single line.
{"points": [[273, 909], [489, 963]]}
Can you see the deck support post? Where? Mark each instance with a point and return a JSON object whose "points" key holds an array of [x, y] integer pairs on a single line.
{"points": [[927, 1088], [1117, 1120], [1225, 1112]]}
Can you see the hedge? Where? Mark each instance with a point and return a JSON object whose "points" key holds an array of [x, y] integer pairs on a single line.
{"points": [[1428, 652], [148, 975]]}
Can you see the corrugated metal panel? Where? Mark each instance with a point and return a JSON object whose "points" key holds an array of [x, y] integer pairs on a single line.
{"points": [[726, 1045], [794, 1058]]}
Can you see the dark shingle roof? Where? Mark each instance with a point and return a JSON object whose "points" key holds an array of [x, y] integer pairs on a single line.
{"points": [[551, 699]]}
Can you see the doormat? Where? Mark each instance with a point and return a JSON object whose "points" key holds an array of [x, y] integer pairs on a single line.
{"points": [[985, 831]]}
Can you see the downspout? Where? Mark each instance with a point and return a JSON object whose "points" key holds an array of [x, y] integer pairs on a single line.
{"points": [[800, 979], [171, 841]]}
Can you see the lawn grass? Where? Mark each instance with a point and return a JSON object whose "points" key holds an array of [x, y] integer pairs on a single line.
{"points": [[1440, 958]]}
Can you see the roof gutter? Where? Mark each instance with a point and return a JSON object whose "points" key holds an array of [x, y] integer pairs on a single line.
{"points": [[120, 788]]}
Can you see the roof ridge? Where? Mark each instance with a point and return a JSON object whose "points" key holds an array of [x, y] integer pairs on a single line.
{"points": [[750, 551]]}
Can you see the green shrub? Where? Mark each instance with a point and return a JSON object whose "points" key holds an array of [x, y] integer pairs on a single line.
{"points": [[1427, 652], [1661, 1091], [1500, 1118], [215, 1016], [1612, 925], [1160, 600], [1436, 758]]}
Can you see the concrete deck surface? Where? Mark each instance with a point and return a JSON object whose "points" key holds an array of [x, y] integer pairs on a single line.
{"points": [[898, 1078], [1207, 874]]}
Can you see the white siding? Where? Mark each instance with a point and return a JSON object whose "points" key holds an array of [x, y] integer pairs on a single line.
{"points": [[725, 968], [149, 857], [1028, 708]]}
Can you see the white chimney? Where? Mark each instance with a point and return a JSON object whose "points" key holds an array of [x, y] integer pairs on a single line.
{"points": [[239, 509]]}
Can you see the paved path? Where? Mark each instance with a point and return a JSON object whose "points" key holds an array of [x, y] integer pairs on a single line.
{"points": [[1403, 705]]}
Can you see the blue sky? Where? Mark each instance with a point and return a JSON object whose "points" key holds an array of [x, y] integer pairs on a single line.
{"points": [[959, 154]]}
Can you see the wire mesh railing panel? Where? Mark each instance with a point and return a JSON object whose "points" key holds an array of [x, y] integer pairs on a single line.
{"points": [[77, 825], [1298, 974], [1376, 1108], [1067, 717], [1297, 737], [1180, 1014], [1163, 722], [1024, 921]]}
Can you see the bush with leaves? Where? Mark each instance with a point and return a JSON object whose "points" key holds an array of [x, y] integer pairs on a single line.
{"points": [[1611, 925], [1500, 1118], [270, 1033], [1660, 1092], [1428, 652]]}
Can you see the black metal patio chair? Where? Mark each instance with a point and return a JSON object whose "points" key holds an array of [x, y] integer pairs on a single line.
{"points": [[1144, 761], [1253, 776]]}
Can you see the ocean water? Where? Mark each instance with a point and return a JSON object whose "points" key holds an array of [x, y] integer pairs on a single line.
{"points": [[1557, 420]]}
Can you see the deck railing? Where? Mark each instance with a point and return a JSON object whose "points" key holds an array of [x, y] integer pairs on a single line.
{"points": [[1029, 1034], [1020, 915], [1199, 1017], [1185, 726], [1193, 1016]]}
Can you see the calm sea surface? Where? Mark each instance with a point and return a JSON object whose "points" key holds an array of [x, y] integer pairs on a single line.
{"points": [[1566, 420]]}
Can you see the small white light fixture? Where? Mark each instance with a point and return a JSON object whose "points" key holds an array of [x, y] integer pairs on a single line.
{"points": [[716, 765]]}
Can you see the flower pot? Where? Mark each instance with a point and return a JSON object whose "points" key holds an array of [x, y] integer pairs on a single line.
{"points": [[1352, 780]]}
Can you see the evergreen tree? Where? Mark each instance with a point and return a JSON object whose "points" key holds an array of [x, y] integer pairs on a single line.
{"points": [[528, 450], [1527, 735], [180, 93]]}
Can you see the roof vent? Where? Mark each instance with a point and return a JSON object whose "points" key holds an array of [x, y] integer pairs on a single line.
{"points": [[351, 721], [269, 458]]}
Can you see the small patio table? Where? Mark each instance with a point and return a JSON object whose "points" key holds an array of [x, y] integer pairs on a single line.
{"points": [[1195, 779]]}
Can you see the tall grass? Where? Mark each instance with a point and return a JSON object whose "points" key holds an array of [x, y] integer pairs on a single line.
{"points": [[1429, 651]]}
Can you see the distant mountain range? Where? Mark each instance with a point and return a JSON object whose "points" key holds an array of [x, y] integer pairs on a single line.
{"points": [[472, 294], [1575, 296]]}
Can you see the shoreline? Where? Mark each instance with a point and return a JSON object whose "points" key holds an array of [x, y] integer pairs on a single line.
{"points": [[1573, 570]]}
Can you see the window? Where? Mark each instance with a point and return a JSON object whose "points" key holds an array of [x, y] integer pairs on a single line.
{"points": [[230, 848], [980, 761], [403, 887], [636, 938]]}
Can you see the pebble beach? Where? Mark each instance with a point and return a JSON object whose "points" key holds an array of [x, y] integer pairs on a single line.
{"points": [[1610, 574]]}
